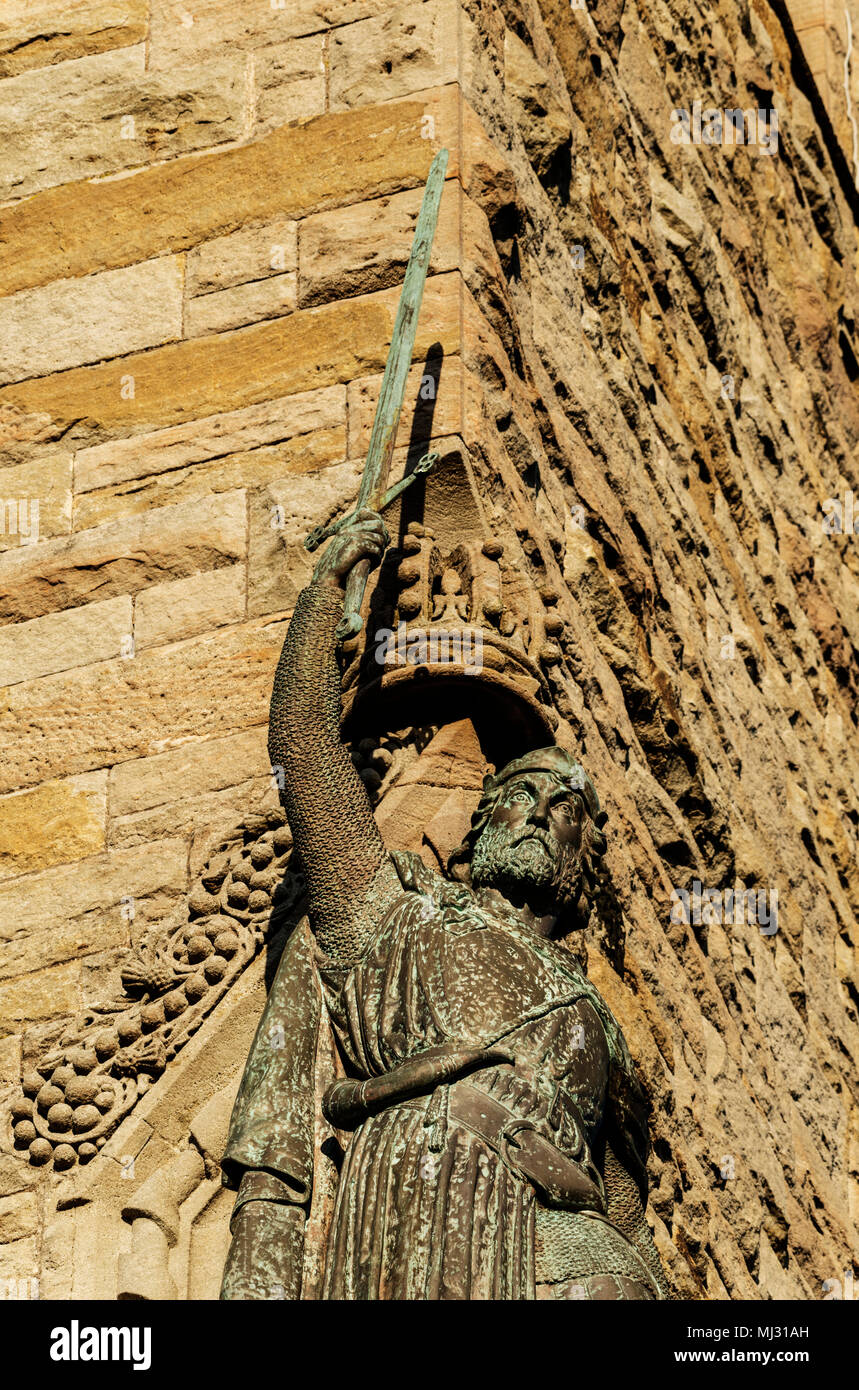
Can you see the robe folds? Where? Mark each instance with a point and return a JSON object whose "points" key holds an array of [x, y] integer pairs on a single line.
{"points": [[413, 1204]]}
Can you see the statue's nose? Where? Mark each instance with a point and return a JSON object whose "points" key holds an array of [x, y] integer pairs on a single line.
{"points": [[540, 812]]}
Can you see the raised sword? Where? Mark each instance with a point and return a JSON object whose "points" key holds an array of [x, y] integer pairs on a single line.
{"points": [[372, 491]]}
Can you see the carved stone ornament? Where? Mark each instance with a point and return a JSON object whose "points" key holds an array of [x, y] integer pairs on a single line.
{"points": [[74, 1096]]}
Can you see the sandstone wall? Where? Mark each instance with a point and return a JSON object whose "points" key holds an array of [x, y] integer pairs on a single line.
{"points": [[649, 350], [827, 32]]}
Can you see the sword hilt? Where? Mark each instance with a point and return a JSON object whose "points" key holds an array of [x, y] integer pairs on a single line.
{"points": [[323, 533], [352, 622]]}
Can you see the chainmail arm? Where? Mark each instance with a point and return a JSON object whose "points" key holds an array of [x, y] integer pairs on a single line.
{"points": [[625, 1210], [350, 878]]}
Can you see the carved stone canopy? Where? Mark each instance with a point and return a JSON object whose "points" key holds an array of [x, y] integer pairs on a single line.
{"points": [[453, 628]]}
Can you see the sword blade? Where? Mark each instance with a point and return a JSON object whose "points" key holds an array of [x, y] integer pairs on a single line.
{"points": [[393, 390]]}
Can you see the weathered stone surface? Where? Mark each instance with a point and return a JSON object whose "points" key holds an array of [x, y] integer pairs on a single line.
{"points": [[280, 516], [21, 1265], [101, 971], [36, 500], [446, 829], [252, 253], [305, 453], [19, 1216], [432, 405], [363, 248], [20, 433], [453, 759], [311, 348], [249, 303], [209, 819], [16, 1174], [51, 992], [828, 46], [688, 461], [194, 768], [87, 320], [120, 559], [77, 637], [114, 115], [217, 23], [10, 1072], [211, 437], [405, 816], [409, 48], [289, 82], [33, 33], [193, 1103], [66, 912], [57, 1273], [184, 607], [55, 823], [288, 173], [132, 709], [542, 118]]}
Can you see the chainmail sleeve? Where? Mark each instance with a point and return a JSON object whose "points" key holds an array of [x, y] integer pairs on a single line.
{"points": [[626, 1210], [350, 877]]}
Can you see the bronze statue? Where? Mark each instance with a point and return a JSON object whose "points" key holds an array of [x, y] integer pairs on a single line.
{"points": [[438, 1102]]}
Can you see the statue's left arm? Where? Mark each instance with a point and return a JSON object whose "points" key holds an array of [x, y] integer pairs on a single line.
{"points": [[626, 1212]]}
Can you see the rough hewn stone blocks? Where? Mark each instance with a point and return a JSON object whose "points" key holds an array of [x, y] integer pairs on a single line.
{"points": [[122, 558], [113, 115], [250, 254], [99, 316], [66, 912], [195, 768], [183, 608], [408, 48], [55, 823], [359, 249], [101, 715], [288, 173], [37, 33], [314, 347], [59, 641]]}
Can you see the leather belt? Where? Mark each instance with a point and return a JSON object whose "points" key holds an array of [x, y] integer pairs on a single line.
{"points": [[557, 1164], [560, 1180]]}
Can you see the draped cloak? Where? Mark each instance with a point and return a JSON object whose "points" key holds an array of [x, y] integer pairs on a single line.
{"points": [[416, 1208]]}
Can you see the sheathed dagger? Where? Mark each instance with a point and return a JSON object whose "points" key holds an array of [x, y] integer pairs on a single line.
{"points": [[372, 491]]}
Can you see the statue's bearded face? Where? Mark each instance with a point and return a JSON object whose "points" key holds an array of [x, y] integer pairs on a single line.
{"points": [[531, 844]]}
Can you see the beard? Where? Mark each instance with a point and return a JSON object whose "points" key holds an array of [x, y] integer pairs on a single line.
{"points": [[536, 866]]}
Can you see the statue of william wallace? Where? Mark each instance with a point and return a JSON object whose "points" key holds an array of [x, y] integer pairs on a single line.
{"points": [[438, 1103]]}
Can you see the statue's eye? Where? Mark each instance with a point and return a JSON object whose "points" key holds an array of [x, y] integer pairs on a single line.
{"points": [[564, 808], [521, 795]]}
